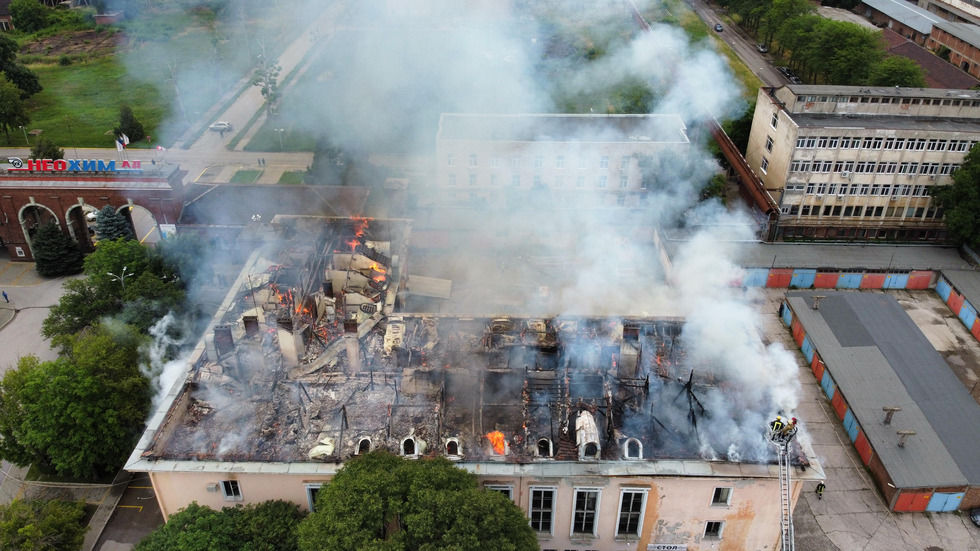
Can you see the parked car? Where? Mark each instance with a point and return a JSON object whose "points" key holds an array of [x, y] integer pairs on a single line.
{"points": [[221, 126], [718, 27], [795, 80], [975, 516], [761, 47]]}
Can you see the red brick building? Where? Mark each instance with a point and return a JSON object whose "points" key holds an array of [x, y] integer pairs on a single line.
{"points": [[149, 197]]}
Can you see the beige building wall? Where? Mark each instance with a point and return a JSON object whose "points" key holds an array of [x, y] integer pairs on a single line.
{"points": [[675, 510]]}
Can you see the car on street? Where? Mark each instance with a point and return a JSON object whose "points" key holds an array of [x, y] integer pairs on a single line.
{"points": [[761, 47], [975, 516], [221, 126], [718, 27]]}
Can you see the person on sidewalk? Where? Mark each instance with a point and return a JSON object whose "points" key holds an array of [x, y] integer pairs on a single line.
{"points": [[5, 299], [820, 488]]}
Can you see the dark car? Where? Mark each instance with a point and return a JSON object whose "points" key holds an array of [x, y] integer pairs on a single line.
{"points": [[975, 516], [795, 80], [718, 27], [784, 71]]}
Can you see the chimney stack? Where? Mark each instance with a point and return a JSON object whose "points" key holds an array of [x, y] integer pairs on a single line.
{"points": [[353, 346], [903, 434], [890, 410]]}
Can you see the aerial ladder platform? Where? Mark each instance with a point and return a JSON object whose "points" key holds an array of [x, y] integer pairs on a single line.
{"points": [[780, 433]]}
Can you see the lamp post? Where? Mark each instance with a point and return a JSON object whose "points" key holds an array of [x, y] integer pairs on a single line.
{"points": [[68, 124], [24, 130], [280, 131], [120, 278]]}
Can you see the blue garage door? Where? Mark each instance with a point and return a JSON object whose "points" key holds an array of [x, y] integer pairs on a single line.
{"points": [[807, 348], [787, 315], [755, 277], [828, 385], [968, 314], [850, 425], [849, 281], [944, 502], [896, 281], [803, 279], [943, 288]]}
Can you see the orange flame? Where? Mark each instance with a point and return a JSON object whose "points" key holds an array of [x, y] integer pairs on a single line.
{"points": [[353, 243], [496, 439]]}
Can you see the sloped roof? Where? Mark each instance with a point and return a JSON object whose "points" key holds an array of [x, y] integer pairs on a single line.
{"points": [[235, 205], [939, 73], [907, 14]]}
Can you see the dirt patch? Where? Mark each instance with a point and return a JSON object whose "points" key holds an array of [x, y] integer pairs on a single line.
{"points": [[104, 41]]}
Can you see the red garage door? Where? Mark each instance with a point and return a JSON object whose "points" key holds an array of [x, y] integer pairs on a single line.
{"points": [[780, 277]]}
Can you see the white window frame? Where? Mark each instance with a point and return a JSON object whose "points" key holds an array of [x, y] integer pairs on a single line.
{"points": [[560, 162], [764, 166], [539, 161], [311, 489], [450, 160], [595, 513], [713, 537], [769, 144], [473, 159], [530, 507], [642, 513], [506, 489], [726, 492], [231, 490], [604, 161], [774, 121]]}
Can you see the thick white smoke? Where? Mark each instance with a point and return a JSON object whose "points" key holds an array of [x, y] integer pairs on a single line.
{"points": [[163, 373]]}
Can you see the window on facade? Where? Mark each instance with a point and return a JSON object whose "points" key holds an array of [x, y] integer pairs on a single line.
{"points": [[713, 529], [506, 490], [473, 159], [602, 181], [833, 143], [822, 142], [722, 496], [633, 449], [495, 161], [624, 163], [583, 163], [538, 161], [452, 447], [542, 509], [450, 160], [312, 491], [580, 181], [544, 447], [472, 179], [515, 180], [765, 165], [515, 161], [230, 490], [364, 446], [408, 447], [624, 181], [774, 121], [769, 144], [604, 161], [493, 179], [630, 513], [560, 161], [559, 181], [452, 180], [538, 182], [586, 509]]}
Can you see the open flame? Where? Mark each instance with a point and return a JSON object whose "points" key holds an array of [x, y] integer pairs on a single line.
{"points": [[496, 439], [353, 243]]}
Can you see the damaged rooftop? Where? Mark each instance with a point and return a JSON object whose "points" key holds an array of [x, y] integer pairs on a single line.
{"points": [[309, 360]]}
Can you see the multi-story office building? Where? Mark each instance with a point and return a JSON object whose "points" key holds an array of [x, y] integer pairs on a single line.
{"points": [[495, 158], [847, 162]]}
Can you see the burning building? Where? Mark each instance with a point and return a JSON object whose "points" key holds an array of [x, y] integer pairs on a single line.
{"points": [[600, 428]]}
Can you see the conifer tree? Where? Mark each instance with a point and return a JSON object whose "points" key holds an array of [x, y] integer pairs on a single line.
{"points": [[110, 225], [56, 254]]}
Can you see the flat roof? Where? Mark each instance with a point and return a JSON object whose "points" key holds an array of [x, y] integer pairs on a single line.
{"points": [[885, 122], [585, 128], [890, 91], [850, 256], [908, 14], [878, 357], [967, 282]]}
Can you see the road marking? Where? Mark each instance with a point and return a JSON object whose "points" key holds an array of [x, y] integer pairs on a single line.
{"points": [[142, 487], [140, 507]]}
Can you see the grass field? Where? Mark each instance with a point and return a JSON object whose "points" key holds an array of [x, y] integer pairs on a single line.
{"points": [[246, 176], [293, 177]]}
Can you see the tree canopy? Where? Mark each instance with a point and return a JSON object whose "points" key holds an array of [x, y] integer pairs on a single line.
{"points": [[384, 502], [22, 77], [55, 254], [44, 148], [961, 201], [898, 71], [30, 15], [78, 415], [13, 112], [129, 125], [110, 225], [42, 525], [267, 526]]}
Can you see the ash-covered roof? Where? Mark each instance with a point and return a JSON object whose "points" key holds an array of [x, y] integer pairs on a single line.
{"points": [[879, 358], [235, 205], [563, 128]]}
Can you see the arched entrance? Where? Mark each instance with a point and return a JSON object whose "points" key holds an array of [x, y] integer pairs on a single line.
{"points": [[143, 223], [31, 218], [81, 225]]}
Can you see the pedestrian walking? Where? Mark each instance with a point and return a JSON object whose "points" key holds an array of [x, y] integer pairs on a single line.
{"points": [[5, 299], [820, 488]]}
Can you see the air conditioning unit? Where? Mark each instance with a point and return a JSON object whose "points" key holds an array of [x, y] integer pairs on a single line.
{"points": [[932, 176], [846, 174], [893, 198], [212, 487]]}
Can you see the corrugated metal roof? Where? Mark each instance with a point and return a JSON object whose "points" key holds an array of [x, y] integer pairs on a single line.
{"points": [[872, 257], [966, 32], [891, 363], [908, 14], [967, 282]]}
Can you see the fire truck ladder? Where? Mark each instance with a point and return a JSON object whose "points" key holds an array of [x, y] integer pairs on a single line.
{"points": [[782, 440]]}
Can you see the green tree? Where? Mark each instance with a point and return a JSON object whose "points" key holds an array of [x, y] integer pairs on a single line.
{"points": [[55, 254], [382, 501], [897, 71], [778, 13], [44, 148], [82, 304], [266, 77], [13, 113], [81, 414], [29, 15], [739, 129], [110, 225], [42, 525], [961, 201], [844, 53], [22, 77], [129, 125], [267, 526]]}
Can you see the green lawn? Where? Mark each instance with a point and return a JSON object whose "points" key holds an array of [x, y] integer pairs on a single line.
{"points": [[293, 177], [246, 176], [80, 104]]}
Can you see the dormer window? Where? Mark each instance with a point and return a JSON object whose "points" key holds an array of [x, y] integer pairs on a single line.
{"points": [[633, 449], [544, 448], [364, 446], [408, 446], [452, 447], [586, 436], [591, 450]]}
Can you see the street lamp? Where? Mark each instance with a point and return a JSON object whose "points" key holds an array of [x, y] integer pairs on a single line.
{"points": [[120, 278], [280, 131], [24, 130]]}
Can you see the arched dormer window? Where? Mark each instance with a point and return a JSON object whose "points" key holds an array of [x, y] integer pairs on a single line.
{"points": [[633, 449], [364, 446], [452, 447], [544, 448], [408, 446], [591, 450]]}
